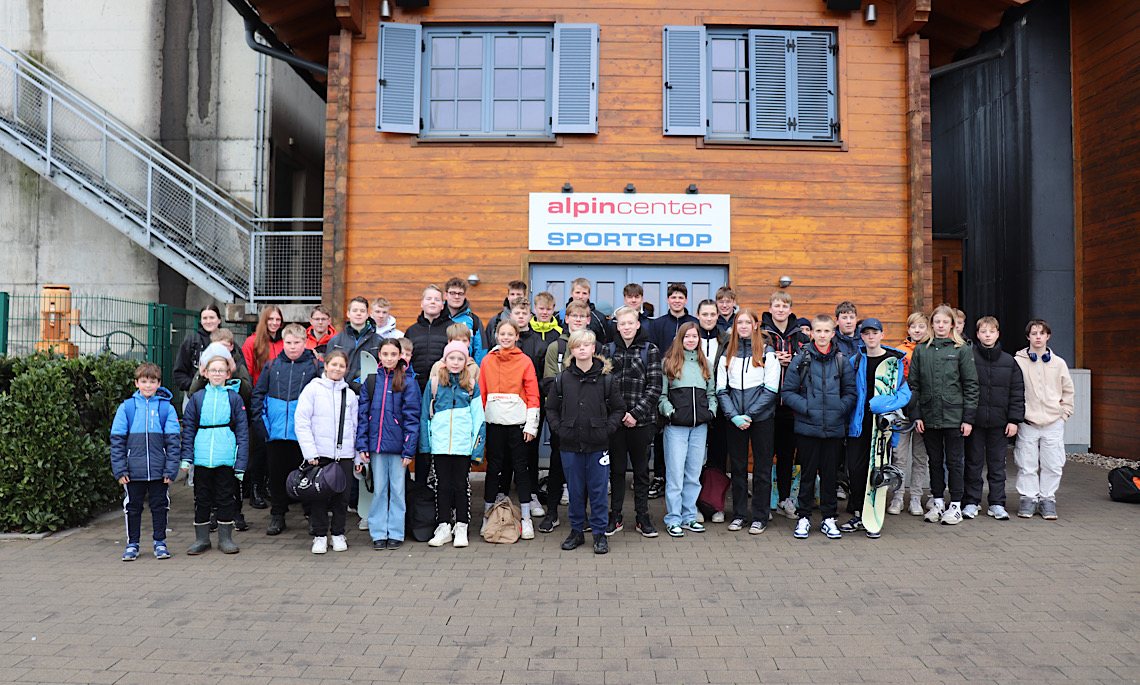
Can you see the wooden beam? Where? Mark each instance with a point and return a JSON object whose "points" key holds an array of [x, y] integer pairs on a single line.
{"points": [[911, 16], [337, 131], [919, 218], [350, 14]]}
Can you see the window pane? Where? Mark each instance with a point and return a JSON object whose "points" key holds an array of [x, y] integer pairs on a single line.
{"points": [[742, 85], [724, 117], [534, 83], [742, 117], [534, 115], [534, 52], [470, 83], [724, 85], [443, 52], [741, 46], [471, 51], [470, 115], [723, 54], [506, 52], [506, 83], [443, 115], [506, 115], [442, 83]]}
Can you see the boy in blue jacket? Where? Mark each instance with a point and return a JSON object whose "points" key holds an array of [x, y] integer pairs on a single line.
{"points": [[145, 440]]}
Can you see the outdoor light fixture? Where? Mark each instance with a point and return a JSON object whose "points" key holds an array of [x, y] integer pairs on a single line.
{"points": [[473, 279], [871, 13], [629, 188], [385, 9], [567, 188], [692, 189], [785, 281]]}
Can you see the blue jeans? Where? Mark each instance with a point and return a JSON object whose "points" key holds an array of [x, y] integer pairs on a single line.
{"points": [[587, 475], [684, 457], [389, 503]]}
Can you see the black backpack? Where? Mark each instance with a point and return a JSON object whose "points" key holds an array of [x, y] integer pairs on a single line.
{"points": [[1124, 485], [419, 519]]}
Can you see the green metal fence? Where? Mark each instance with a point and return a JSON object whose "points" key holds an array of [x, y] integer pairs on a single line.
{"points": [[140, 331]]}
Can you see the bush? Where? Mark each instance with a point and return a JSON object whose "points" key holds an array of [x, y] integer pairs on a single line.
{"points": [[55, 421]]}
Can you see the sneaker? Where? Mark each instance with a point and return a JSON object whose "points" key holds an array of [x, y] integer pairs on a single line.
{"points": [[737, 524], [565, 496], [1028, 508], [351, 509], [601, 545], [527, 529], [896, 505], [320, 544], [132, 553], [970, 511], [694, 526], [874, 536], [549, 523], [675, 530], [700, 517], [363, 525], [657, 488], [574, 540], [645, 526], [379, 544], [757, 528], [394, 544], [615, 524], [915, 507], [536, 509], [718, 517], [1048, 509], [339, 543], [937, 508], [442, 535], [953, 515], [160, 550], [998, 512], [500, 497], [802, 529], [853, 524], [788, 508], [831, 530], [840, 493], [460, 535], [239, 522]]}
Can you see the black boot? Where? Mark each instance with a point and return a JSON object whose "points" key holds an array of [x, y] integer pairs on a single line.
{"points": [[574, 540], [601, 545], [239, 522], [201, 539], [226, 539], [276, 524], [257, 499]]}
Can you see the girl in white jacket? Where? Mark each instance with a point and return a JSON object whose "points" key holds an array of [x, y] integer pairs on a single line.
{"points": [[326, 419]]}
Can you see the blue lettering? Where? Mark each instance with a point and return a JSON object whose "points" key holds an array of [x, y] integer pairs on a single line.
{"points": [[593, 239], [555, 240], [665, 239], [629, 238], [704, 239], [572, 238], [685, 240], [645, 240], [613, 239]]}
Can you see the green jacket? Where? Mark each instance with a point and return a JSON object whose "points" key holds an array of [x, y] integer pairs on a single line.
{"points": [[945, 383]]}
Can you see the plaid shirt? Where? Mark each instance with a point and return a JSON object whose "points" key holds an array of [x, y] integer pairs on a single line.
{"points": [[640, 387]]}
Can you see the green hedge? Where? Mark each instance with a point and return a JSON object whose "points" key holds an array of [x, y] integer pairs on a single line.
{"points": [[55, 422]]}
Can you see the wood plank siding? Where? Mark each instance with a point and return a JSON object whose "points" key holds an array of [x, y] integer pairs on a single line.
{"points": [[1106, 99], [834, 219]]}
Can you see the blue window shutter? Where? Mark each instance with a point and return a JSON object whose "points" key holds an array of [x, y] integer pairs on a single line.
{"points": [[575, 107], [398, 83], [683, 86], [769, 97], [814, 67]]}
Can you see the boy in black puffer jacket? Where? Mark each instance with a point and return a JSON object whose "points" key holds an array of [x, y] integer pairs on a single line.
{"points": [[1001, 406], [819, 386]]}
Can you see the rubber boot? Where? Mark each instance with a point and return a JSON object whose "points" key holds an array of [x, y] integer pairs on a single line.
{"points": [[201, 539], [226, 538]]}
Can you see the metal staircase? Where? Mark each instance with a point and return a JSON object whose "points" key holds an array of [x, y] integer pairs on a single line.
{"points": [[157, 200]]}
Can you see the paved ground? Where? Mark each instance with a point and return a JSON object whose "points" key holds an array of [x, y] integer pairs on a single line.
{"points": [[1023, 600]]}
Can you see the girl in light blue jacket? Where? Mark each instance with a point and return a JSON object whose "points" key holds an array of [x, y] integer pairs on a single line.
{"points": [[453, 432]]}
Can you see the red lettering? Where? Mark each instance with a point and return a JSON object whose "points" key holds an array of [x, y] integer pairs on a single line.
{"points": [[689, 208], [641, 208], [554, 208]]}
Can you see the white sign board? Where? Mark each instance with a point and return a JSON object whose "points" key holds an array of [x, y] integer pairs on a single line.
{"points": [[630, 221]]}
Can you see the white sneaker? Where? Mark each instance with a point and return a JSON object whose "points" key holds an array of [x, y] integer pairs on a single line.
{"points": [[840, 493], [718, 517], [536, 509], [896, 505], [934, 514], [339, 543], [998, 512], [953, 515], [831, 530], [787, 508], [527, 529], [460, 535], [915, 508], [970, 511], [565, 496], [802, 529], [320, 545], [700, 517], [363, 525], [442, 535]]}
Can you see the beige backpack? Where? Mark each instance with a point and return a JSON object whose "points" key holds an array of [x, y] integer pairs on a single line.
{"points": [[504, 522]]}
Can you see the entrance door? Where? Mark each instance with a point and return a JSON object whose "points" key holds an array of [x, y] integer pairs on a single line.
{"points": [[609, 279]]}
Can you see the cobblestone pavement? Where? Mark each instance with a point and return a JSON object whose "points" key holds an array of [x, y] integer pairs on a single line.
{"points": [[1021, 600]]}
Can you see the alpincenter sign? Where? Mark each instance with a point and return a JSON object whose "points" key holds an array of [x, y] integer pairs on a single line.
{"points": [[634, 222]]}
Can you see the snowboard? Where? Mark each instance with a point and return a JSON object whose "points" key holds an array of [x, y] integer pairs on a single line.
{"points": [[875, 501], [368, 366]]}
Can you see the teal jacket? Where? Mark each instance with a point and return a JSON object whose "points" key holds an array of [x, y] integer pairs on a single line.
{"points": [[452, 420], [684, 393], [214, 424]]}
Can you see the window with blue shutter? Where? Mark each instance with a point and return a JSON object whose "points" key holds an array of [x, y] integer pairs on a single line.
{"points": [[575, 108], [683, 85], [398, 78]]}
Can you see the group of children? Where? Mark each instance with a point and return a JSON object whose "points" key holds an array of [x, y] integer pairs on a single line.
{"points": [[706, 390]]}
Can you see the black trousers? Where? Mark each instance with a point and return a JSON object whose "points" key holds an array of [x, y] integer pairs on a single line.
{"points": [[281, 457], [337, 503], [214, 488], [556, 477], [156, 494], [508, 472], [452, 488], [634, 443], [818, 457], [717, 454], [985, 447], [945, 447], [659, 465], [785, 442], [858, 461], [759, 436], [505, 445], [255, 471]]}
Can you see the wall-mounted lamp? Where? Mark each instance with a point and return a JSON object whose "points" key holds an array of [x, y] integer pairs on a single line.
{"points": [[473, 279], [567, 188], [692, 189], [385, 9], [629, 188], [870, 13], [785, 281]]}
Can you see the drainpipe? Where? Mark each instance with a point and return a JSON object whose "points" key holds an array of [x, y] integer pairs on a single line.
{"points": [[277, 49]]}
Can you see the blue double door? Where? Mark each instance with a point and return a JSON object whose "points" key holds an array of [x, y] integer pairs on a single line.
{"points": [[608, 280]]}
